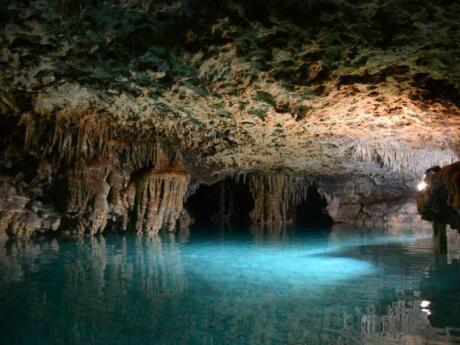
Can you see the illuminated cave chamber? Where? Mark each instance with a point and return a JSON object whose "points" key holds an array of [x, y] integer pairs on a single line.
{"points": [[224, 202]]}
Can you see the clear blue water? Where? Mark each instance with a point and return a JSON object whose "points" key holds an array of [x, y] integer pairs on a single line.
{"points": [[233, 287]]}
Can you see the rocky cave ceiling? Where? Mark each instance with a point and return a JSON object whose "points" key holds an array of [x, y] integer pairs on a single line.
{"points": [[332, 90]]}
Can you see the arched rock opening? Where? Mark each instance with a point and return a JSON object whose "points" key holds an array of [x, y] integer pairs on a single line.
{"points": [[260, 200], [313, 210], [224, 202]]}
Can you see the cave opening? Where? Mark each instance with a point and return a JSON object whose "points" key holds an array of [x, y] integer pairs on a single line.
{"points": [[313, 210], [225, 202]]}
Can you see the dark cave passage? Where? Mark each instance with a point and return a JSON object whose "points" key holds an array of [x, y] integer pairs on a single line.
{"points": [[313, 210], [231, 202], [225, 202]]}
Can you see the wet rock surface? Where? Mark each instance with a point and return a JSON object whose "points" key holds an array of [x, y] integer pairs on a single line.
{"points": [[439, 202], [112, 115]]}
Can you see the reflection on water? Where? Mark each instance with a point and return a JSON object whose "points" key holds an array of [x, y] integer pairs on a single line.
{"points": [[345, 286]]}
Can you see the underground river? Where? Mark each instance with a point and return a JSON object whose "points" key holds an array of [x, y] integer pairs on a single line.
{"points": [[316, 285]]}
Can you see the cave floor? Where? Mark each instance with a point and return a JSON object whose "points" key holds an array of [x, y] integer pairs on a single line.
{"points": [[222, 285]]}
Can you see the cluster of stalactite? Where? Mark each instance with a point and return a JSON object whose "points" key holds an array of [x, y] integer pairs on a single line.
{"points": [[103, 176], [154, 199], [397, 157], [276, 197], [87, 194], [91, 174], [159, 199], [70, 136]]}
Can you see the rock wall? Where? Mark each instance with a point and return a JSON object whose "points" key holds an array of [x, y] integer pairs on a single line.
{"points": [[84, 174], [22, 216], [373, 202], [439, 202], [103, 106], [80, 175]]}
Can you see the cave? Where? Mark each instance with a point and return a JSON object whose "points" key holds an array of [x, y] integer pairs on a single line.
{"points": [[229, 172], [313, 210], [225, 202]]}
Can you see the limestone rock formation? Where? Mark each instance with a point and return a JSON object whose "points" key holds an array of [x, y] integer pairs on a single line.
{"points": [[93, 176], [275, 196], [159, 199], [112, 114], [439, 202], [21, 216]]}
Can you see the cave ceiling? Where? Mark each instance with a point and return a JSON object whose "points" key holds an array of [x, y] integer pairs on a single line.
{"points": [[312, 87]]}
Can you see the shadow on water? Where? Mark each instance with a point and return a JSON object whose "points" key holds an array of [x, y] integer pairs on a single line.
{"points": [[334, 285]]}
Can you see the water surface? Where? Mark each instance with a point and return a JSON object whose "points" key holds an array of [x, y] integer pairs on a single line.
{"points": [[307, 286]]}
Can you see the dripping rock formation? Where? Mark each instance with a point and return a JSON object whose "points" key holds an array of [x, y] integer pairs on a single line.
{"points": [[113, 115]]}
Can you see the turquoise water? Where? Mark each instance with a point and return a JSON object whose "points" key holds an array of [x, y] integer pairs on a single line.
{"points": [[310, 286]]}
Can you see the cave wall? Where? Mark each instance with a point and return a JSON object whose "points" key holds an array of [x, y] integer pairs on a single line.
{"points": [[83, 175], [439, 201], [373, 202], [112, 114]]}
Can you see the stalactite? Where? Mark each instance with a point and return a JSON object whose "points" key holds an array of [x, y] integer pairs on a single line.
{"points": [[87, 194], [100, 168], [159, 199], [397, 157], [106, 160], [275, 196], [75, 136], [98, 190], [27, 120]]}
